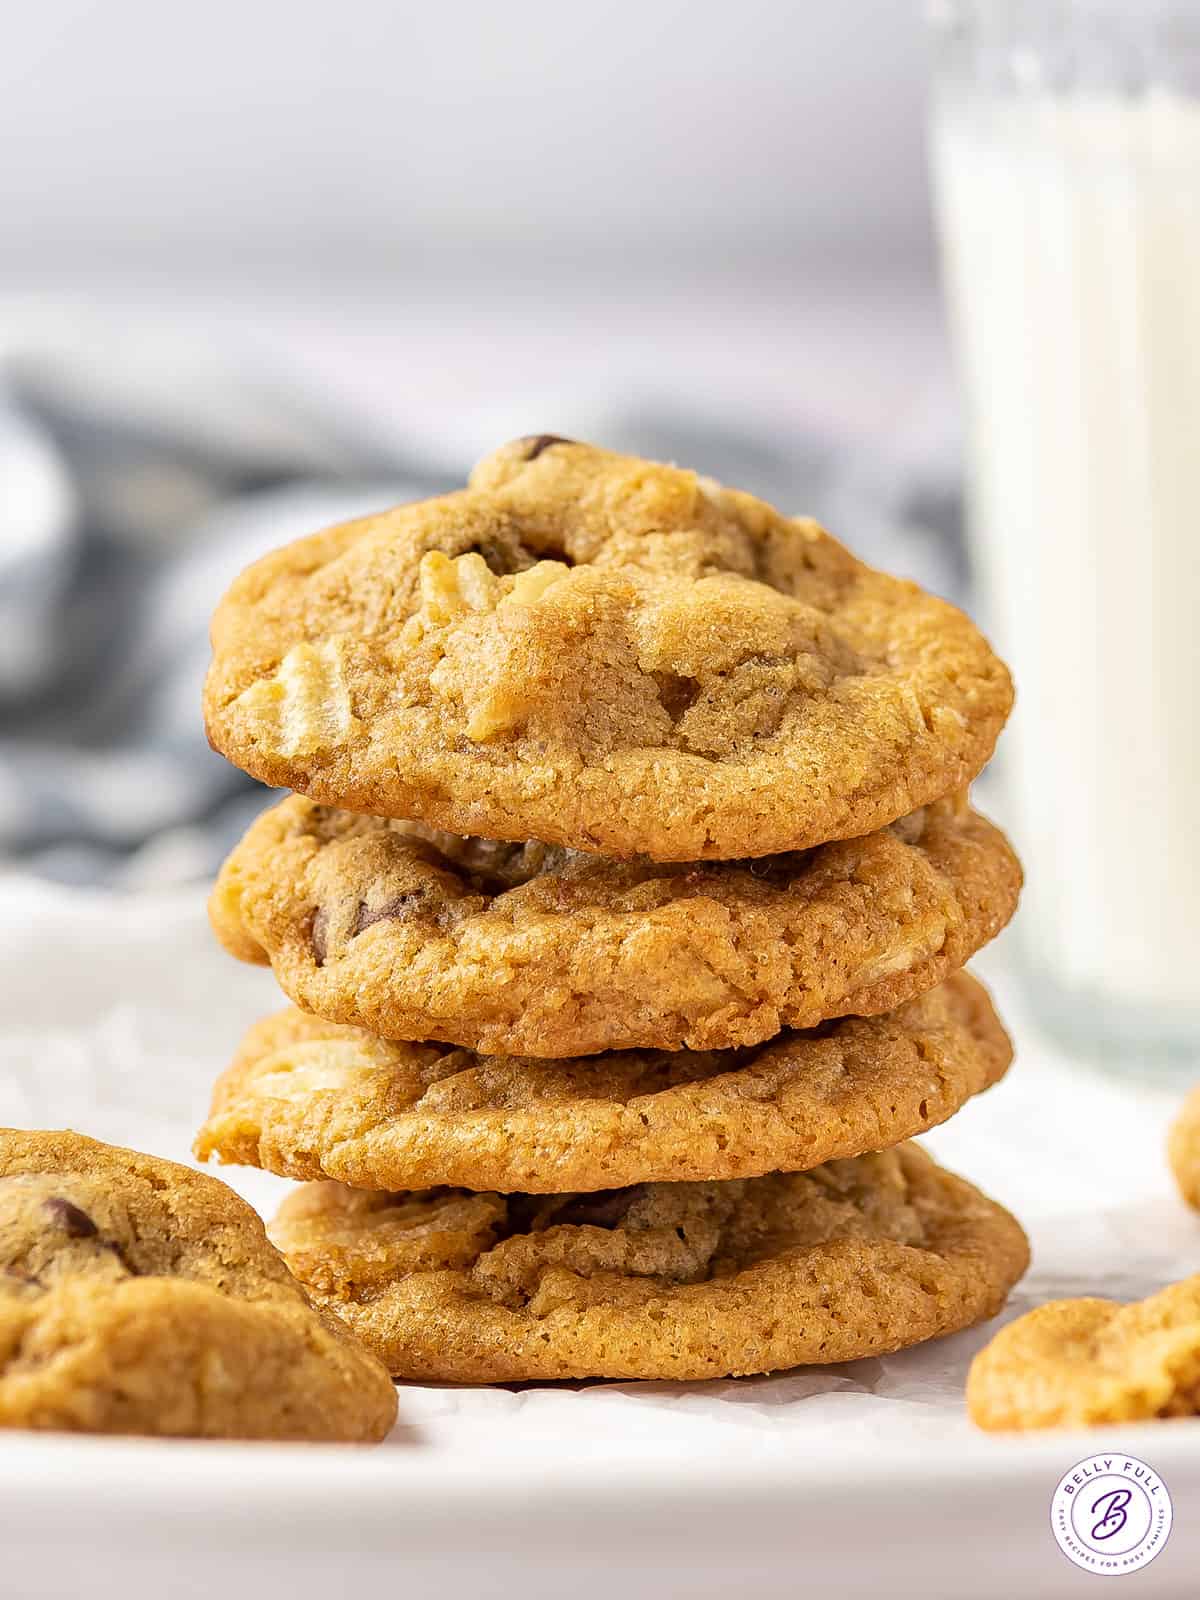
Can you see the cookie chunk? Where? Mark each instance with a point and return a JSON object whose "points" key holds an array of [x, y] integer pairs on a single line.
{"points": [[531, 949], [1077, 1363], [137, 1296], [678, 1280], [310, 1099], [602, 653], [1183, 1149]]}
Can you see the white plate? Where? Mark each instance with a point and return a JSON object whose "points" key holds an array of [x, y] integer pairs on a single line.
{"points": [[858, 1480], [100, 1518]]}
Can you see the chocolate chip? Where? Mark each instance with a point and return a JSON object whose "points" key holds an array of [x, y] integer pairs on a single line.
{"points": [[532, 1213], [779, 869], [69, 1217], [521, 1211], [119, 1251], [501, 549], [318, 933], [493, 558], [20, 1276], [535, 443], [676, 694], [606, 1208], [394, 910]]}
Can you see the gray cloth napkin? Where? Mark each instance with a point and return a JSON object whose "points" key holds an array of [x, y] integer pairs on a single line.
{"points": [[136, 480]]}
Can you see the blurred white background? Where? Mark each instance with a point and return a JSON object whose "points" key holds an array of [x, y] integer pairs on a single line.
{"points": [[370, 133], [461, 216]]}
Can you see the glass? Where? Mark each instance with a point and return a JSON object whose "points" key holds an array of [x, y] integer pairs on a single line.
{"points": [[1065, 143]]}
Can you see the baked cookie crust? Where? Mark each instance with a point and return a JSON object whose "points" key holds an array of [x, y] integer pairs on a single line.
{"points": [[137, 1296], [602, 653], [672, 1281], [534, 950], [311, 1099]]}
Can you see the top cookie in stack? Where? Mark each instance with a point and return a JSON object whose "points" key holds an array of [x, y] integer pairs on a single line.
{"points": [[601, 653], [598, 756]]}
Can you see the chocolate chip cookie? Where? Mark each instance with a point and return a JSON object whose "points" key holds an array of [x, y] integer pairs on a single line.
{"points": [[137, 1296], [602, 653], [684, 1280], [310, 1099], [532, 949], [1079, 1363]]}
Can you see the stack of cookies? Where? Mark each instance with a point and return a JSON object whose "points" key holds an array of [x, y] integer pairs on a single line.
{"points": [[622, 902]]}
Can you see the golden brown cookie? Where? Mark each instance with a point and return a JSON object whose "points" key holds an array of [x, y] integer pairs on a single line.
{"points": [[310, 1099], [602, 653], [1183, 1149], [1076, 1363], [530, 949], [137, 1296], [683, 1280]]}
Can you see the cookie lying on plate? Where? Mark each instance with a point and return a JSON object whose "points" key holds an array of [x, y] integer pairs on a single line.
{"points": [[1183, 1149], [686, 1280], [137, 1296], [528, 949], [603, 653], [1076, 1363], [311, 1099]]}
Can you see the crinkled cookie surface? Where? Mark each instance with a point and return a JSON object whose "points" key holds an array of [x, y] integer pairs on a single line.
{"points": [[137, 1296], [603, 653], [685, 1280], [1077, 1363], [531, 949], [311, 1099]]}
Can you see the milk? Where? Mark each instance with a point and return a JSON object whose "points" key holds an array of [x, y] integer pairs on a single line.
{"points": [[1071, 229]]}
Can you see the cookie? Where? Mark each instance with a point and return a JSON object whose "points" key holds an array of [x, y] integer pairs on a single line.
{"points": [[310, 1099], [137, 1296], [679, 1280], [1183, 1149], [530, 949], [1078, 1363], [602, 653]]}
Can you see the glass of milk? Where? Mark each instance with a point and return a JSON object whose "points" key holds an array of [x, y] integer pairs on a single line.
{"points": [[1066, 153]]}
